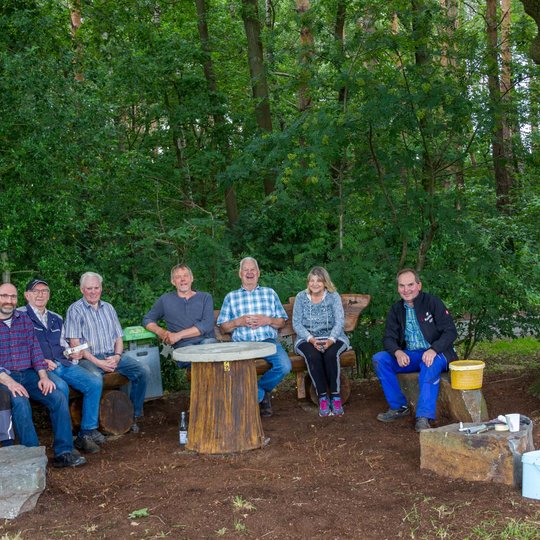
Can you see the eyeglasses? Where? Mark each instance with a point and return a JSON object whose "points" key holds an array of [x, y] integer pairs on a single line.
{"points": [[8, 297], [40, 291]]}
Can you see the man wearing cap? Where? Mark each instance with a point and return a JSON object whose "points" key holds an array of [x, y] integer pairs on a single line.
{"points": [[419, 336], [188, 314], [63, 371], [95, 322], [23, 372]]}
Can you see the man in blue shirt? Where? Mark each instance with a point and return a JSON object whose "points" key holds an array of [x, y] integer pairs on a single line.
{"points": [[419, 336], [188, 314], [93, 321], [48, 328], [255, 313]]}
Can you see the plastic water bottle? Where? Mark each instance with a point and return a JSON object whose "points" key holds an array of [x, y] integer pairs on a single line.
{"points": [[182, 432]]}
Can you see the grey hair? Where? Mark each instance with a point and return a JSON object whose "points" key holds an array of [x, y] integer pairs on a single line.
{"points": [[88, 275], [180, 266], [249, 259]]}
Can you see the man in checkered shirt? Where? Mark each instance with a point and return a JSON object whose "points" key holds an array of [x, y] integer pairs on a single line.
{"points": [[255, 313]]}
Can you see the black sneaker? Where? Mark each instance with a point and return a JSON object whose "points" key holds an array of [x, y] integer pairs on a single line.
{"points": [[265, 406], [85, 444], [394, 414], [68, 459], [422, 423], [97, 437]]}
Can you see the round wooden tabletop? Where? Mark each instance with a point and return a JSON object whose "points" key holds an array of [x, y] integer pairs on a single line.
{"points": [[224, 352]]}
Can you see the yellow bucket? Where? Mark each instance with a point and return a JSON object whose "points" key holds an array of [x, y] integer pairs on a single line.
{"points": [[466, 374]]}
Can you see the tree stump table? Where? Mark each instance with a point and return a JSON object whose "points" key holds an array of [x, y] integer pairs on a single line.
{"points": [[224, 411]]}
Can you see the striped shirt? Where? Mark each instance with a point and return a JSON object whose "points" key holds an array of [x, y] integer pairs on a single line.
{"points": [[19, 347], [414, 338], [259, 301], [100, 327]]}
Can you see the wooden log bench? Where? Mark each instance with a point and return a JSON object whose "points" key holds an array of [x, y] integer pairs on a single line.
{"points": [[353, 305], [115, 409]]}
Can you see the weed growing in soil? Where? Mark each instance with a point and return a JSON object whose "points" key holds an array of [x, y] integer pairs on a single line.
{"points": [[515, 529]]}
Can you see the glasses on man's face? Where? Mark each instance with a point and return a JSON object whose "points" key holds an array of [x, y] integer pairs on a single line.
{"points": [[41, 292], [5, 297]]}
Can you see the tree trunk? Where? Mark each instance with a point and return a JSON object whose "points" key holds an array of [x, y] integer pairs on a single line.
{"points": [[231, 205], [503, 180], [259, 84], [76, 20], [306, 54]]}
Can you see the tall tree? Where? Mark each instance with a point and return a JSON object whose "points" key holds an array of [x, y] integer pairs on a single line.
{"points": [[259, 83], [503, 178]]}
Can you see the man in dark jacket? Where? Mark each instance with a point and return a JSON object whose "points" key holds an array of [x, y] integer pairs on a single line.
{"points": [[419, 336], [48, 329]]}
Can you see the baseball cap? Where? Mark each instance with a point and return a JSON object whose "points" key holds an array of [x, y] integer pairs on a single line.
{"points": [[35, 282]]}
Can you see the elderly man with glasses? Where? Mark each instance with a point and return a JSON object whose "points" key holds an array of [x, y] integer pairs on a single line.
{"points": [[62, 370]]}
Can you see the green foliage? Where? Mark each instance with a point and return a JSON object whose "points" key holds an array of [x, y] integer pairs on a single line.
{"points": [[122, 169]]}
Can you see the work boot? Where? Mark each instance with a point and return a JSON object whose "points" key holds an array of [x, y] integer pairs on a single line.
{"points": [[422, 423], [135, 426], [68, 459], [265, 406], [394, 414], [85, 444]]}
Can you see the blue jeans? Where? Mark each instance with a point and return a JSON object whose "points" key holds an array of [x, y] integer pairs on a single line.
{"points": [[58, 409], [281, 365], [130, 368], [89, 384], [387, 368]]}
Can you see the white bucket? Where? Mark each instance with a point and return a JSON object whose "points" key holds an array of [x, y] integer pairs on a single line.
{"points": [[531, 474]]}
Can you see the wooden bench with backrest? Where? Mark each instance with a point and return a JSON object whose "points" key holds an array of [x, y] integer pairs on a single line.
{"points": [[353, 305]]}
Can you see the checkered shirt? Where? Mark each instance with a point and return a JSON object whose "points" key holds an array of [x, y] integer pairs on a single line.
{"points": [[261, 301], [414, 338], [19, 347]]}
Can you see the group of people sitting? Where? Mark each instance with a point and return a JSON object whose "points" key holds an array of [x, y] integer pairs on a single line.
{"points": [[40, 355]]}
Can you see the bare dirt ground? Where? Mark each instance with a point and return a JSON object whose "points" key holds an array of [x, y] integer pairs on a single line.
{"points": [[333, 478]]}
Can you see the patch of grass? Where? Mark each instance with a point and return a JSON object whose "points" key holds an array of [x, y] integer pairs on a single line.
{"points": [[514, 529], [240, 527], [240, 503], [8, 536], [222, 531], [505, 355]]}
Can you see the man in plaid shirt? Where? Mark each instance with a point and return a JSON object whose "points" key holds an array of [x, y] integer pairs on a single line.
{"points": [[23, 372], [255, 313]]}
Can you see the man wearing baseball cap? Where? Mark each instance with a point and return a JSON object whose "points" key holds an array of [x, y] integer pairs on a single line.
{"points": [[62, 370]]}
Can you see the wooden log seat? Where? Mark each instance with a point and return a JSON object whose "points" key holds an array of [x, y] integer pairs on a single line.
{"points": [[115, 409], [353, 305]]}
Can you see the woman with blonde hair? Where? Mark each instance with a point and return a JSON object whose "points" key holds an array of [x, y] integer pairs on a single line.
{"points": [[318, 321]]}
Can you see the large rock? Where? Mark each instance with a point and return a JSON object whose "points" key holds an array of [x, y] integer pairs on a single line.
{"points": [[22, 479], [492, 456], [458, 405]]}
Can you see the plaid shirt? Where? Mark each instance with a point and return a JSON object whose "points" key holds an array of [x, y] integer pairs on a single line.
{"points": [[413, 335], [99, 327], [261, 301], [19, 347]]}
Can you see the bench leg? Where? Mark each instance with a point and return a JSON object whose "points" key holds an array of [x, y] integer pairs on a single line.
{"points": [[301, 385]]}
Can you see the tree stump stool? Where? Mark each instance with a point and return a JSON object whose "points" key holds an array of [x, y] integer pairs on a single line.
{"points": [[224, 412]]}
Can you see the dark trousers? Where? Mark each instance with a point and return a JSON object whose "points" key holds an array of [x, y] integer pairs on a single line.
{"points": [[323, 367]]}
